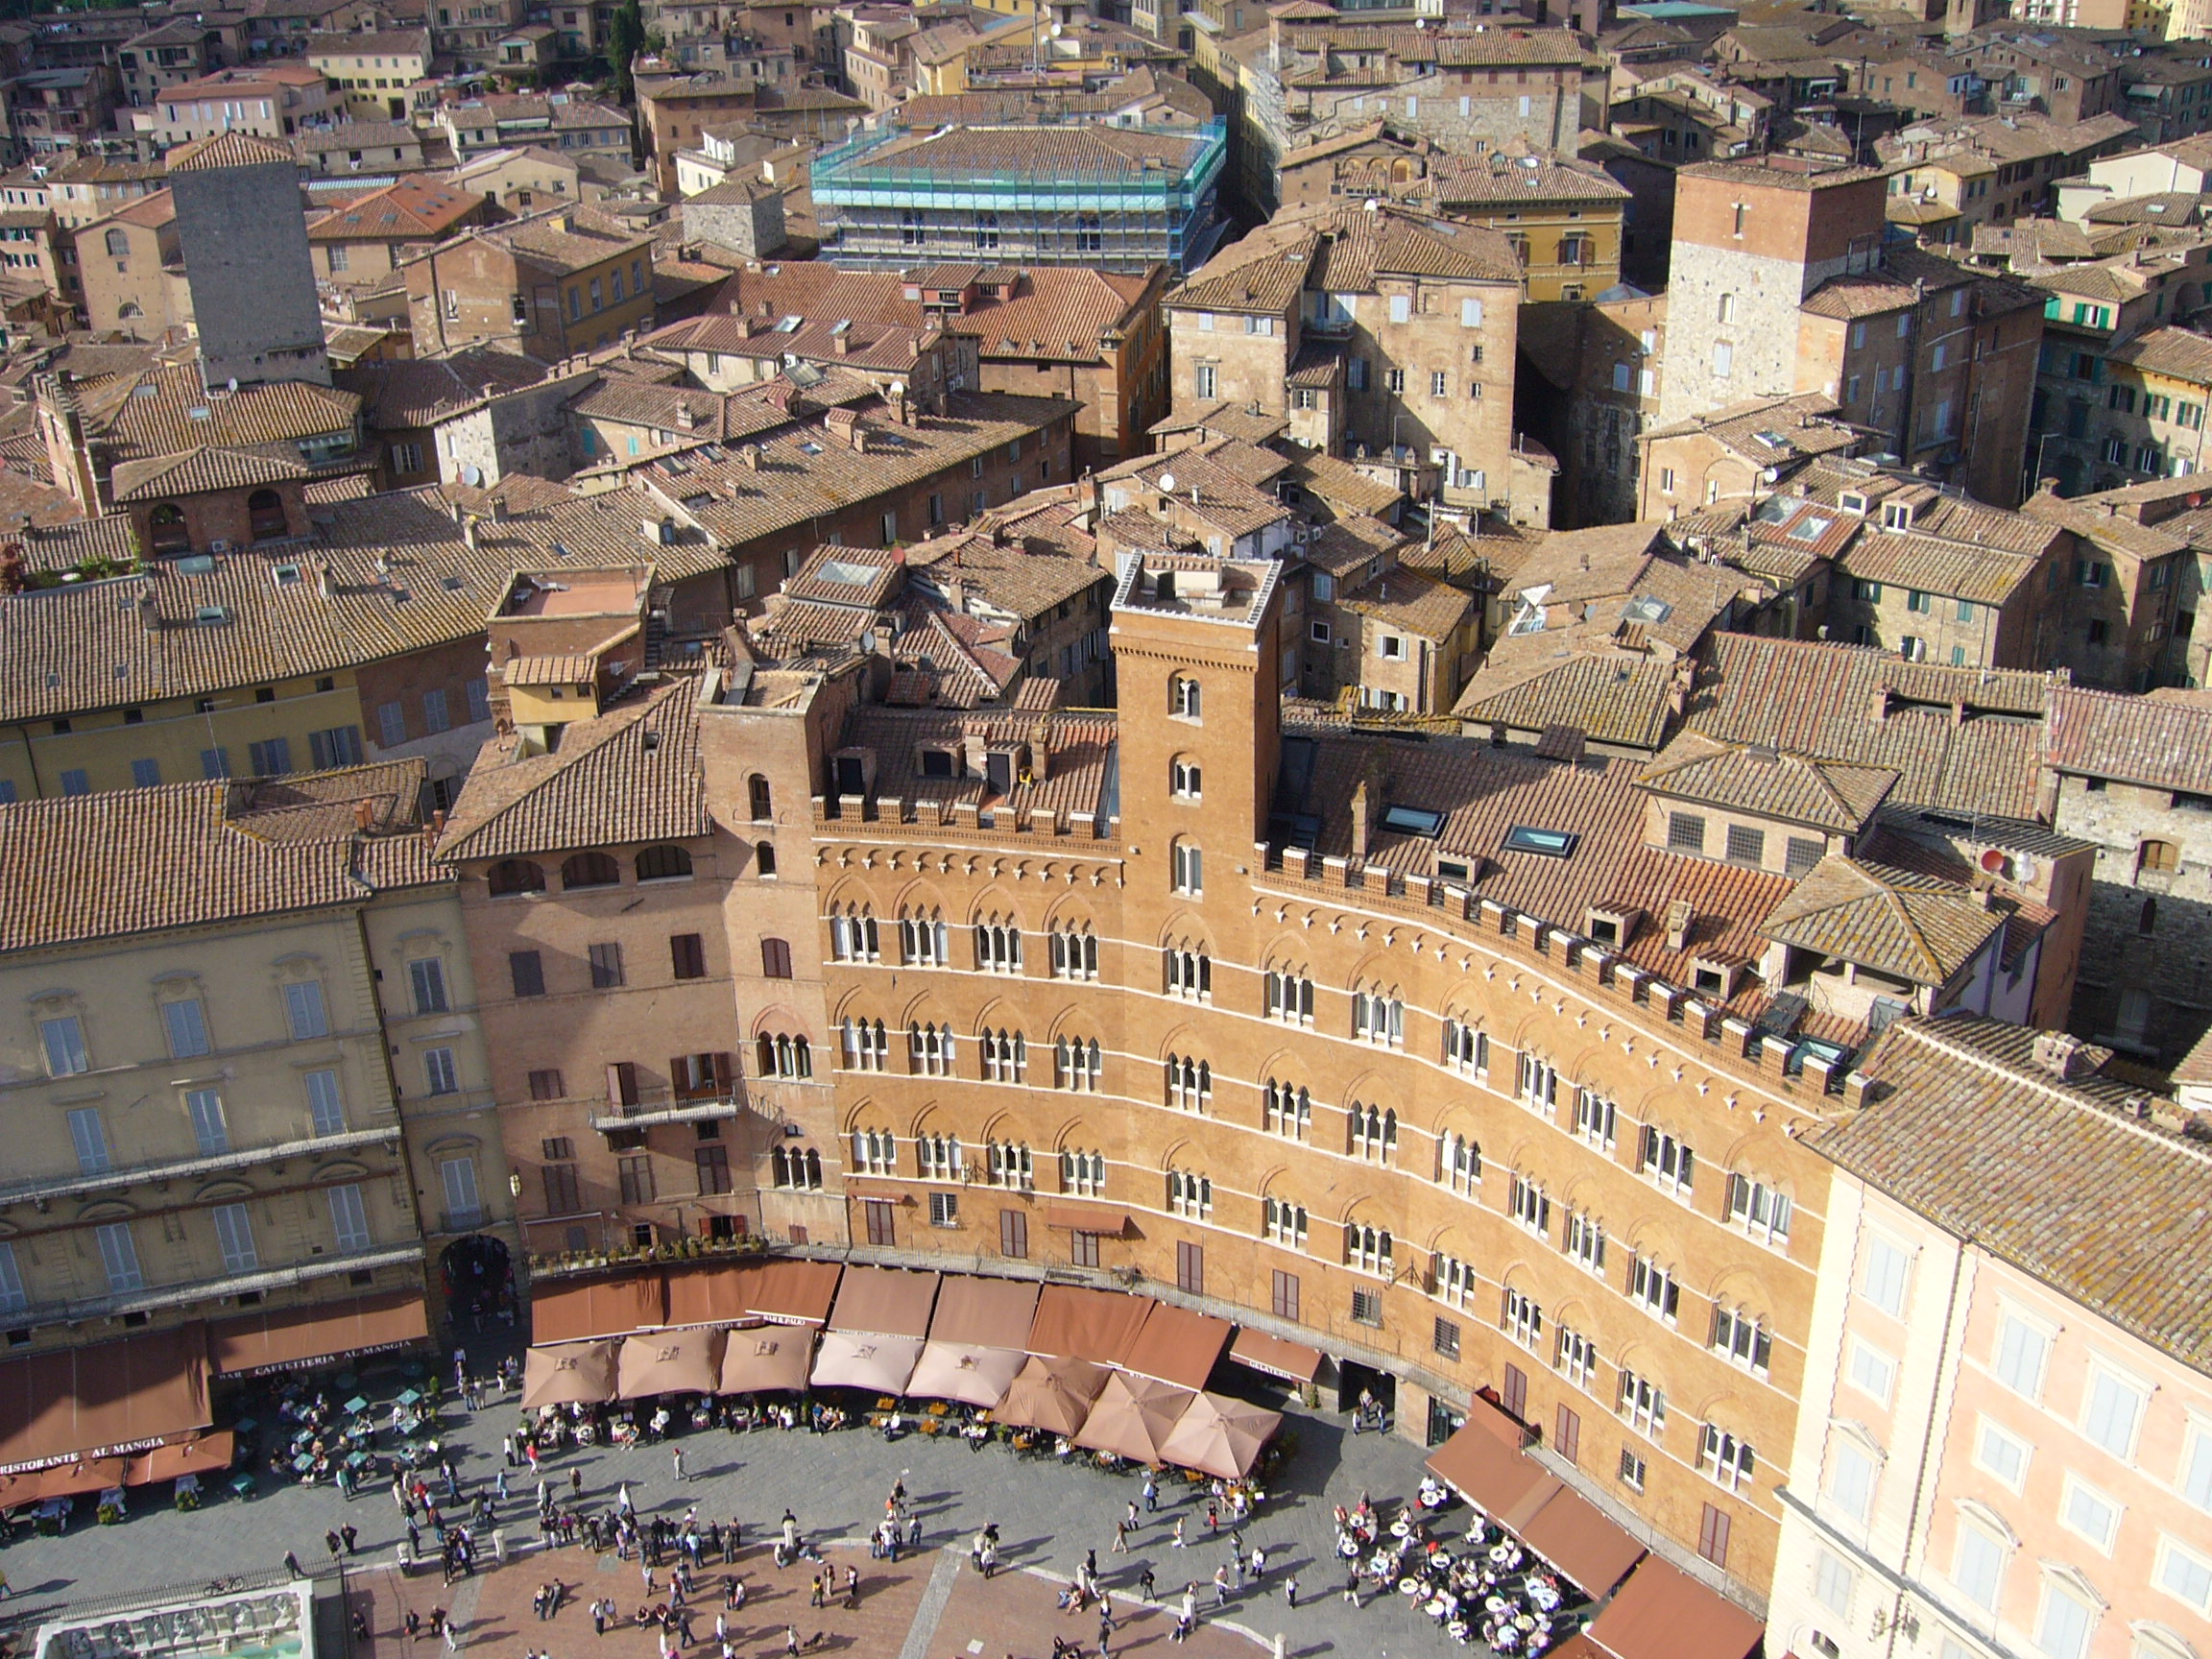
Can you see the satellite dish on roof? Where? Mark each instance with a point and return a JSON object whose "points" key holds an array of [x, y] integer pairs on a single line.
{"points": [[1168, 483], [472, 477]]}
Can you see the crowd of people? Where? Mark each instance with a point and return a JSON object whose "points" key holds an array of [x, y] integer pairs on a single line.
{"points": [[1485, 1588]]}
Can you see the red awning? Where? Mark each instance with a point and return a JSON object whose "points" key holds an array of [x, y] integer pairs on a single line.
{"points": [[294, 1338], [1293, 1362], [1177, 1346], [1075, 1322], [1661, 1613], [107, 1399], [598, 1308], [1571, 1534], [81, 1479], [714, 1295], [1482, 1469], [984, 1312], [886, 1302], [209, 1456], [793, 1292]]}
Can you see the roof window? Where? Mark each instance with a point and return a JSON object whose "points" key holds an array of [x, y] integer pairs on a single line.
{"points": [[209, 616], [195, 565], [1412, 820], [1546, 843]]}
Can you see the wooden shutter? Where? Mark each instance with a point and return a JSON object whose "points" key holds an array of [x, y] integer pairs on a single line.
{"points": [[1568, 1442], [1713, 1536]]}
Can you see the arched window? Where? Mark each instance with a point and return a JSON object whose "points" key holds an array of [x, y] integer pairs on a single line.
{"points": [[874, 1151], [1459, 1162], [1189, 1083], [2157, 857], [663, 863], [1083, 1172], [1185, 700], [764, 859], [1377, 1017], [925, 940], [785, 1056], [169, 533], [853, 936], [2147, 919], [512, 875], [1187, 868], [265, 514], [797, 1168], [118, 244], [1190, 1196], [591, 870], [1288, 1111], [1074, 953], [759, 800], [999, 945], [1190, 972], [930, 1050], [1183, 778], [1076, 1063], [1368, 1248], [1466, 1047], [1290, 996], [1284, 1222], [866, 1045], [939, 1158], [1010, 1165], [1374, 1132], [1006, 1055]]}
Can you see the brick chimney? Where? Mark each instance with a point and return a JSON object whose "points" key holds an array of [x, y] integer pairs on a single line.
{"points": [[1680, 914]]}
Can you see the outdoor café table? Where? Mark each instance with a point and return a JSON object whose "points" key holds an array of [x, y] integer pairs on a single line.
{"points": [[358, 1405], [411, 1397]]}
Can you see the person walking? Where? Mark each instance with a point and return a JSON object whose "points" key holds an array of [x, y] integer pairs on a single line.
{"points": [[851, 1589], [679, 1461], [1121, 1537], [348, 1533], [598, 1617], [293, 1566], [1145, 1581], [1352, 1585], [1290, 1591], [1131, 1516], [1151, 1494], [1259, 1563], [1176, 1542], [1221, 1586]]}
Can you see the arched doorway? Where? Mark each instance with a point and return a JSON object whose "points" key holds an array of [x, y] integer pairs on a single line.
{"points": [[478, 1273], [168, 532], [265, 514]]}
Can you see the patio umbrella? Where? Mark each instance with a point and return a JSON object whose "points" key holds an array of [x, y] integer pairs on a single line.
{"points": [[687, 1361], [569, 1374], [1220, 1436], [1054, 1395], [865, 1360], [768, 1358], [1132, 1417], [971, 1375]]}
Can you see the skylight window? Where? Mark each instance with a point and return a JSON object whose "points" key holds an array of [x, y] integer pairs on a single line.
{"points": [[1412, 820], [1545, 843], [843, 574], [195, 565], [1810, 529], [285, 575], [210, 615], [1647, 608]]}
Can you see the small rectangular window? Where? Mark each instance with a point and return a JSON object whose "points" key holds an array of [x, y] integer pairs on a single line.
{"points": [[1685, 832], [606, 966], [687, 954]]}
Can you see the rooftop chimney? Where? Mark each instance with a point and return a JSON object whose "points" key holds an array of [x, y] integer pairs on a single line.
{"points": [[1679, 915], [2064, 1056], [363, 816]]}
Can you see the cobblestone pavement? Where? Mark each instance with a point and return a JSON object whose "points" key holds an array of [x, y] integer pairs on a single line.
{"points": [[1049, 1516]]}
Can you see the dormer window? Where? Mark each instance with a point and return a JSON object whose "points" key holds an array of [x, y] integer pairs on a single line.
{"points": [[1711, 978], [1614, 928], [1852, 501], [937, 763], [1896, 515]]}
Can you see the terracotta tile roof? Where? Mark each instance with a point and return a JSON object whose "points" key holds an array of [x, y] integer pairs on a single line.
{"points": [[1914, 927], [1800, 421], [629, 777], [1924, 564], [168, 858], [1408, 599], [1341, 486], [542, 243], [418, 391], [231, 149], [2181, 353], [196, 472], [2157, 742], [1728, 904], [1013, 579], [2065, 1181], [165, 410], [1077, 776], [2114, 531], [1610, 699], [1341, 248], [413, 210], [1812, 698], [1225, 420], [169, 633], [1830, 795], [1506, 179], [1777, 171]]}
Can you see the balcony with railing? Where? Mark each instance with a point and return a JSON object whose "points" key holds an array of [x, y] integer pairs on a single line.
{"points": [[149, 1298], [114, 1176], [642, 1108]]}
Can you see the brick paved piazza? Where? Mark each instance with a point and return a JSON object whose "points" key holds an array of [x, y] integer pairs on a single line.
{"points": [[930, 1606]]}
